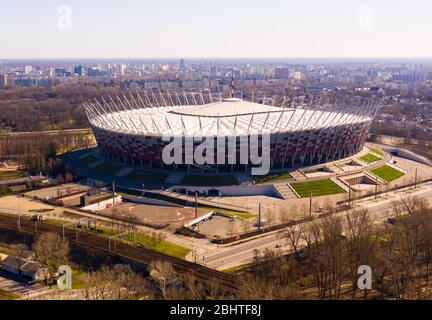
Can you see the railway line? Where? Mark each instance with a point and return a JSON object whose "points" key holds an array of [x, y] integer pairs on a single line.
{"points": [[227, 282]]}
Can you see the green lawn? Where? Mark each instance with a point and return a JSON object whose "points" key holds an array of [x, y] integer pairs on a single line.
{"points": [[108, 168], [387, 173], [369, 158], [79, 279], [234, 214], [374, 150], [318, 188], [159, 245], [4, 295], [272, 177], [8, 175], [237, 268], [147, 241]]}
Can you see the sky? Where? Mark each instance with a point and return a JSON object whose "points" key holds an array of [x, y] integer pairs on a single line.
{"points": [[215, 28]]}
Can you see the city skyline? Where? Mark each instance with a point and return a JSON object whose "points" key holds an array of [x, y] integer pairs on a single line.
{"points": [[195, 29]]}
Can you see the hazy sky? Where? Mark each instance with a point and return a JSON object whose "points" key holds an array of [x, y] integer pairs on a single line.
{"points": [[215, 28]]}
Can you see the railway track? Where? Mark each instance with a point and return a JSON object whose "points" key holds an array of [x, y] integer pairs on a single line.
{"points": [[227, 282]]}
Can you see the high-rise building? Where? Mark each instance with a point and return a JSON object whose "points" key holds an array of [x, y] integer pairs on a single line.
{"points": [[60, 72], [122, 69], [281, 73], [79, 70], [28, 70], [298, 75], [3, 80], [182, 64]]}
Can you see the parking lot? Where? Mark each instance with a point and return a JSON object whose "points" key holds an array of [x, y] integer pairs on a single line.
{"points": [[219, 226], [155, 215]]}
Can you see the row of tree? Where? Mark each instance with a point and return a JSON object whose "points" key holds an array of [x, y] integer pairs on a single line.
{"points": [[41, 109], [329, 252], [39, 152]]}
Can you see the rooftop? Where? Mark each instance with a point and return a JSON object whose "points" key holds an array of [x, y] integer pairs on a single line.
{"points": [[227, 108], [190, 115]]}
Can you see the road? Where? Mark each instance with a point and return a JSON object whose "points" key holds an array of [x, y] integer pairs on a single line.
{"points": [[379, 210], [24, 290]]}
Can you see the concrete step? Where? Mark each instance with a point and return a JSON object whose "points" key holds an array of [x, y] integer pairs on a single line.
{"points": [[298, 175], [285, 191], [340, 184], [335, 169]]}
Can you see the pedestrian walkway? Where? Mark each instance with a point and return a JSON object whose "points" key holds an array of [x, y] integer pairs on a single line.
{"points": [[285, 191]]}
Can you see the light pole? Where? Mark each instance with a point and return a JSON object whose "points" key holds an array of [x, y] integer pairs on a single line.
{"points": [[113, 187], [376, 187], [259, 216], [196, 204], [19, 219], [349, 196], [310, 204]]}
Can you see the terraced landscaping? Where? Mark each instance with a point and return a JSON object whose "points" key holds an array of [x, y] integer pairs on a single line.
{"points": [[369, 158], [387, 173], [376, 151], [317, 188]]}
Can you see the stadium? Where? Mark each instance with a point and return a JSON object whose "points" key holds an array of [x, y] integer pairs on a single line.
{"points": [[302, 131]]}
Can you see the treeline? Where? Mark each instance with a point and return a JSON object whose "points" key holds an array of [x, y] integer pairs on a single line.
{"points": [[39, 152], [328, 253], [41, 109], [410, 112]]}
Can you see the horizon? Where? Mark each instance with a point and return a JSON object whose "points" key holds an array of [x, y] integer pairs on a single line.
{"points": [[284, 60]]}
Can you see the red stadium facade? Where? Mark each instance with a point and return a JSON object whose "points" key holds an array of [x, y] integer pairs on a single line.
{"points": [[300, 132]]}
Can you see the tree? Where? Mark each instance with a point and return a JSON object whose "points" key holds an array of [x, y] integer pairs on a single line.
{"points": [[294, 234], [359, 244], [117, 282], [51, 251], [164, 275]]}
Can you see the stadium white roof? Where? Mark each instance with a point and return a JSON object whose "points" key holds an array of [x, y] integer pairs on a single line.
{"points": [[225, 117], [227, 107]]}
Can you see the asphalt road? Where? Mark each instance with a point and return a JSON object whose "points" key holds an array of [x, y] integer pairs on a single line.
{"points": [[379, 210]]}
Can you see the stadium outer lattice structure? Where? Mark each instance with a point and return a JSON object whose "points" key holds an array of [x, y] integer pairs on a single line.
{"points": [[303, 131]]}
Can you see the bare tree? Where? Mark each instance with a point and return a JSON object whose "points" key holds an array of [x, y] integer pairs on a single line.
{"points": [[164, 275], [52, 251], [294, 234], [117, 282], [359, 244]]}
